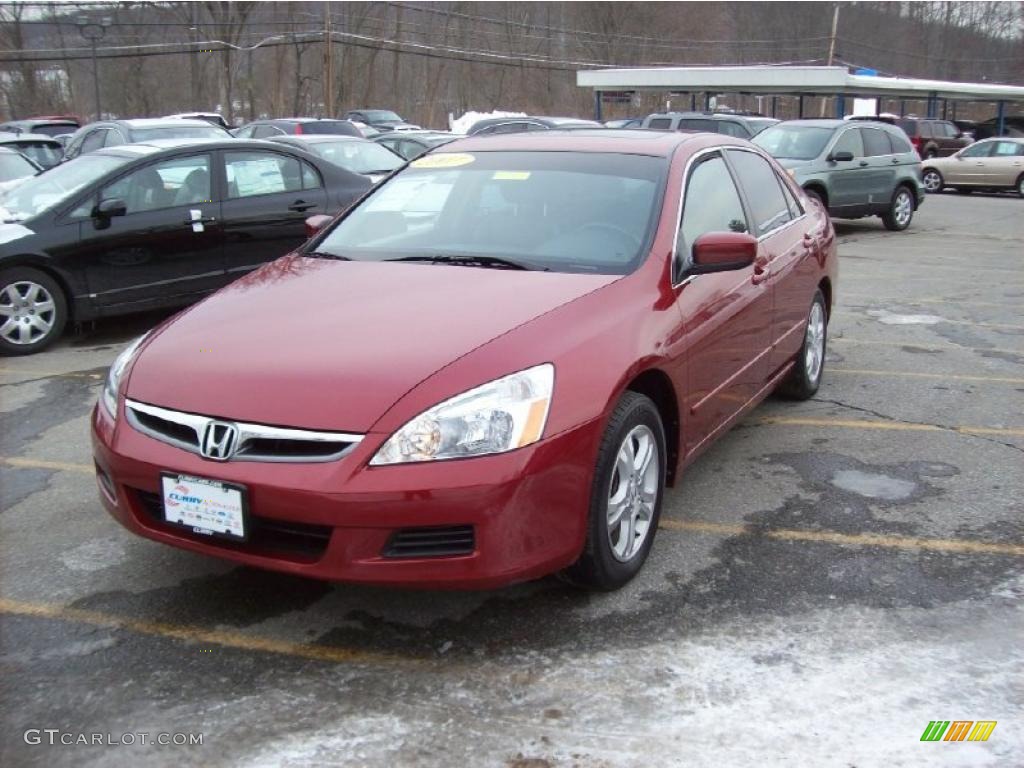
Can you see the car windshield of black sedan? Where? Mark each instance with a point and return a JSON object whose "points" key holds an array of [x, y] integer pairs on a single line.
{"points": [[56, 185], [562, 211], [793, 142], [358, 156]]}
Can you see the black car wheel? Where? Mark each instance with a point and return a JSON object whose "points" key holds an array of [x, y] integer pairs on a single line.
{"points": [[33, 311], [932, 180], [1020, 185], [805, 377], [625, 497], [901, 210]]}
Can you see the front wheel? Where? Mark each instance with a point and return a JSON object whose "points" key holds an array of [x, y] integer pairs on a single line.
{"points": [[805, 377], [625, 496], [33, 311], [932, 180], [1020, 185], [901, 210]]}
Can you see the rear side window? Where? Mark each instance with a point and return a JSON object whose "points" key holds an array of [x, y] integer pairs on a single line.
{"points": [[981, 149], [94, 140], [950, 130], [263, 131], [900, 143], [660, 124], [1008, 149], [692, 124], [261, 173], [926, 131], [876, 142], [758, 179], [729, 128], [712, 203], [909, 127]]}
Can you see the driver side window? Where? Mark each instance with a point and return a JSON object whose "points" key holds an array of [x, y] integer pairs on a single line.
{"points": [[180, 181], [712, 204], [981, 149]]}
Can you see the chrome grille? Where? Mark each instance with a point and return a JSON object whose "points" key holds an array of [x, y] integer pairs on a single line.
{"points": [[255, 442]]}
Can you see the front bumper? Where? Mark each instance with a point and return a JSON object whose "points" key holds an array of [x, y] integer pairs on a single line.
{"points": [[337, 520]]}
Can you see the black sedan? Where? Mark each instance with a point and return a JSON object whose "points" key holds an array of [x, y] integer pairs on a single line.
{"points": [[412, 144], [149, 225], [354, 155]]}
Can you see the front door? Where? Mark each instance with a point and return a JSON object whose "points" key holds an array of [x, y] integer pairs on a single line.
{"points": [[880, 179], [726, 315], [969, 167], [269, 195], [166, 246]]}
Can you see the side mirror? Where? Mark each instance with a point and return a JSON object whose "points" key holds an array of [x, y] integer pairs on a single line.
{"points": [[109, 208], [843, 156], [723, 252], [314, 224]]}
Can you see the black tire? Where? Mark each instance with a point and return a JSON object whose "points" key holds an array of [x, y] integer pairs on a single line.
{"points": [[1020, 185], [934, 186], [15, 282], [598, 567], [802, 384], [894, 219]]}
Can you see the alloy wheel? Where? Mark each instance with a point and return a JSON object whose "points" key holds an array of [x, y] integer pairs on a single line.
{"points": [[27, 312], [633, 493], [814, 347], [932, 181], [903, 208]]}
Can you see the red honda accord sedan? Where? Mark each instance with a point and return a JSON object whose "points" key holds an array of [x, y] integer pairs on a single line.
{"points": [[485, 371]]}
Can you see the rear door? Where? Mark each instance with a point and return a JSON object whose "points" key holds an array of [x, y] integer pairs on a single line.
{"points": [[268, 196], [727, 315], [168, 244], [849, 180], [1005, 164], [880, 179]]}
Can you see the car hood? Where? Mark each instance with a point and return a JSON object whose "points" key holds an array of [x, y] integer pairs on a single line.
{"points": [[331, 345]]}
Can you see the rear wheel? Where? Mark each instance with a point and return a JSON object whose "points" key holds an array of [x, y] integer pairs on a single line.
{"points": [[805, 377], [1020, 185], [625, 496], [901, 210], [932, 180], [33, 311]]}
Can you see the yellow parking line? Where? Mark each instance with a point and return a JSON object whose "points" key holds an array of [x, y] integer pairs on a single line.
{"points": [[63, 466], [918, 375], [847, 539], [974, 323], [193, 634], [904, 426]]}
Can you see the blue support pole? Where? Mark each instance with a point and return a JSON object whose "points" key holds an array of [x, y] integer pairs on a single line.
{"points": [[932, 104], [800, 108], [903, 108], [775, 103], [597, 106], [693, 102], [840, 106], [1000, 117], [954, 110], [945, 108], [707, 101]]}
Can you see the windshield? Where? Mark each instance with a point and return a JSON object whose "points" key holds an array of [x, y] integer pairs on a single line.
{"points": [[55, 129], [47, 155], [56, 185], [179, 132], [382, 115], [14, 166], [793, 142], [756, 125], [358, 156], [563, 211]]}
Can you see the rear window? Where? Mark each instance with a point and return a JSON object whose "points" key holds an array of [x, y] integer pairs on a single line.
{"points": [[55, 129], [334, 127], [179, 132], [660, 124], [900, 143], [691, 124], [876, 142], [909, 127]]}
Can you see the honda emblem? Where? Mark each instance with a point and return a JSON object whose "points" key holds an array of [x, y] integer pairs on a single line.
{"points": [[220, 439]]}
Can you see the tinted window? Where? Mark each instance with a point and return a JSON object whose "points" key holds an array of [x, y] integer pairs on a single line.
{"points": [[660, 124], [310, 177], [264, 131], [909, 127], [712, 204], [567, 211], [246, 132], [94, 140], [850, 141], [332, 127], [793, 142], [950, 130], [46, 155], [56, 185], [795, 210], [261, 173], [729, 128], [691, 124], [876, 142], [900, 143], [185, 131], [758, 179], [113, 138], [925, 130], [54, 130], [358, 156], [181, 181]]}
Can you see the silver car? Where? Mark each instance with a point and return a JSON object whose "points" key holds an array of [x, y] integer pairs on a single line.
{"points": [[996, 164]]}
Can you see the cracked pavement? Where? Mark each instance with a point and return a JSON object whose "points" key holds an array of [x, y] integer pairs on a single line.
{"points": [[829, 577]]}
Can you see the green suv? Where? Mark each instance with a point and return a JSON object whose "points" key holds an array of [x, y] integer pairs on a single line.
{"points": [[854, 168]]}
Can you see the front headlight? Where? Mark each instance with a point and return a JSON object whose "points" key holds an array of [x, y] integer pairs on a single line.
{"points": [[113, 383], [499, 416]]}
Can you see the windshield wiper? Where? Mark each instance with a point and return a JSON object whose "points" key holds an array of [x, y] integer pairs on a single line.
{"points": [[325, 255], [490, 262]]}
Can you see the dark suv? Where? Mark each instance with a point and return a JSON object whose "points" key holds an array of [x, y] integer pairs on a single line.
{"points": [[740, 126], [933, 138]]}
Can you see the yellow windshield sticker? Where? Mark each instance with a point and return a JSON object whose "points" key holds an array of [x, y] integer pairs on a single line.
{"points": [[443, 160], [511, 175]]}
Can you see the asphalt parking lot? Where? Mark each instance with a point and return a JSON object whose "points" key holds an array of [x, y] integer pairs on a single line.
{"points": [[828, 579]]}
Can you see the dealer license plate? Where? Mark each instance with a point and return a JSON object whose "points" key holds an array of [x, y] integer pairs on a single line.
{"points": [[207, 507]]}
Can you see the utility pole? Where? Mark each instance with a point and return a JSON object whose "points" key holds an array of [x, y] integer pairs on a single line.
{"points": [[328, 64], [832, 46], [93, 31]]}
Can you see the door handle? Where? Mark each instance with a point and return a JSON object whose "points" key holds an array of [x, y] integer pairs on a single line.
{"points": [[863, 163], [895, 161], [762, 270], [301, 205], [200, 220]]}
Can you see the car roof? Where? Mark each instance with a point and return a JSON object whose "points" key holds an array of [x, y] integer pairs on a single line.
{"points": [[709, 115], [422, 132], [7, 137], [158, 145], [158, 122], [653, 143], [317, 138]]}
